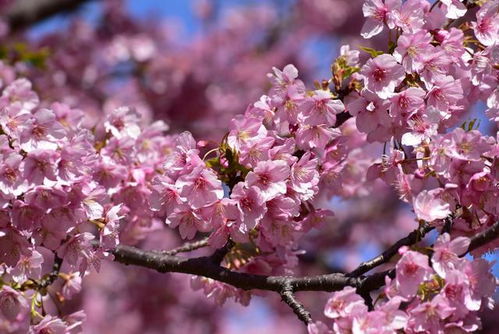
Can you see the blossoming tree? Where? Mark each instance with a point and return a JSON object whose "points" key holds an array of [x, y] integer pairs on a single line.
{"points": [[77, 192]]}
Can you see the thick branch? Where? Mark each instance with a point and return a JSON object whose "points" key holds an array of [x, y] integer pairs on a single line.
{"points": [[205, 266], [24, 13], [209, 266]]}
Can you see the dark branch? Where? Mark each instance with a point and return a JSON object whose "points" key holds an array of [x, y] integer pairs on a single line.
{"points": [[288, 297], [484, 237], [412, 238], [205, 266], [187, 247], [24, 13], [209, 266], [218, 256]]}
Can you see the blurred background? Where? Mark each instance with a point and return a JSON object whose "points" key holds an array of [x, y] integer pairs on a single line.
{"points": [[195, 64]]}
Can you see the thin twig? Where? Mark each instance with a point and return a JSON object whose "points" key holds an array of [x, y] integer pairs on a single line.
{"points": [[187, 247], [412, 238]]}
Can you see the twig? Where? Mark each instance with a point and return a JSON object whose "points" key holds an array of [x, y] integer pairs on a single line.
{"points": [[411, 239], [187, 247]]}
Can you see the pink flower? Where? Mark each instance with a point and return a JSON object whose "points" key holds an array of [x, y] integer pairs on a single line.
{"points": [[14, 310], [382, 74], [321, 108], [446, 253], [458, 294], [410, 16], [78, 252], [164, 195], [351, 56], [14, 120], [40, 164], [283, 208], [50, 324], [285, 83], [25, 217], [43, 126], [200, 188], [109, 236], [467, 145], [315, 137], [371, 111], [378, 14], [411, 47], [9, 171], [407, 102], [486, 27], [270, 177], [481, 281], [13, 245], [455, 8], [245, 131], [188, 222], [251, 203], [452, 42], [123, 121], [422, 128], [445, 93], [428, 316], [345, 303], [305, 177], [71, 285], [19, 92], [429, 207], [46, 198], [434, 65], [318, 327], [256, 151], [411, 270], [28, 266]]}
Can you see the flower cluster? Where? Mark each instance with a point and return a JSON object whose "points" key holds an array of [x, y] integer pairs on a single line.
{"points": [[441, 298], [416, 94], [70, 192], [64, 187]]}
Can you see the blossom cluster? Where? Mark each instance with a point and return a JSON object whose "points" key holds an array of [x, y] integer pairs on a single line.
{"points": [[441, 298], [67, 194], [416, 96], [70, 192]]}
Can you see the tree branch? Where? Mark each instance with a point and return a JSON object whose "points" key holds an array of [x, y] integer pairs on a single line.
{"points": [[377, 280], [205, 266], [187, 247], [288, 297], [412, 238], [209, 266], [24, 13], [484, 237]]}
